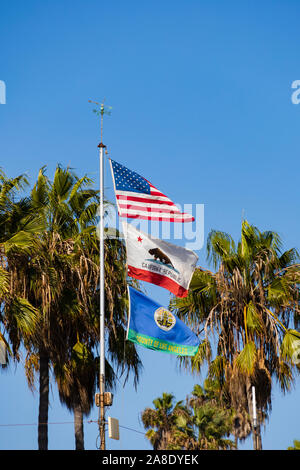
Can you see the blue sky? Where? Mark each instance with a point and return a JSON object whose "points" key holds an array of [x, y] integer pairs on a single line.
{"points": [[201, 97]]}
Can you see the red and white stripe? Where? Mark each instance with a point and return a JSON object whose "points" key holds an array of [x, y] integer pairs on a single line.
{"points": [[153, 206]]}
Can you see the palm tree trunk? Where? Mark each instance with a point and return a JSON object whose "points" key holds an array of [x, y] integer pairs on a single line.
{"points": [[44, 401], [78, 426]]}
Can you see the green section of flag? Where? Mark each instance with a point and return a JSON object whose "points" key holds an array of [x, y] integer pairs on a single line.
{"points": [[161, 345]]}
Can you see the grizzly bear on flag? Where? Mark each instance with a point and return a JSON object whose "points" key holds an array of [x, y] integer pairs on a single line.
{"points": [[158, 254]]}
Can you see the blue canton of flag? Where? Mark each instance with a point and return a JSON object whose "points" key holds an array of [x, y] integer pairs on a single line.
{"points": [[128, 180]]}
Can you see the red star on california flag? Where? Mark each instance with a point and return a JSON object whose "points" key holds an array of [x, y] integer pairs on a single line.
{"points": [[140, 239]]}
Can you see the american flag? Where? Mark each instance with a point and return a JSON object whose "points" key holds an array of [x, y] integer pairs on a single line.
{"points": [[137, 198]]}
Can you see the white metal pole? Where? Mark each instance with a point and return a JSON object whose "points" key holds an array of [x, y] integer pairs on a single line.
{"points": [[254, 407], [102, 302], [254, 416]]}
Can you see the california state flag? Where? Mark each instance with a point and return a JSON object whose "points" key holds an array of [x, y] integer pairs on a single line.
{"points": [[156, 261]]}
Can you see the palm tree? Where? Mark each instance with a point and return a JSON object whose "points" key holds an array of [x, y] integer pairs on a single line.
{"points": [[161, 421], [50, 276], [251, 303], [201, 424], [43, 272], [206, 421], [211, 424]]}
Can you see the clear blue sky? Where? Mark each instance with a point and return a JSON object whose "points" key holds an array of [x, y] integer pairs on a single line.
{"points": [[201, 97]]}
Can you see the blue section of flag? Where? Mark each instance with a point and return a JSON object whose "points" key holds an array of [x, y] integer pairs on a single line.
{"points": [[128, 180], [142, 322]]}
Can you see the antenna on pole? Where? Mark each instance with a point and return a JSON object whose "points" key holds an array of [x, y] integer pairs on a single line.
{"points": [[254, 418], [100, 111]]}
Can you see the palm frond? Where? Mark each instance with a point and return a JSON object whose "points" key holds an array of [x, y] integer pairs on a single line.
{"points": [[246, 359], [290, 347]]}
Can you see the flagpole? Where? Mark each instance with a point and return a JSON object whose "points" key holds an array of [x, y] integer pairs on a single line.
{"points": [[102, 301], [100, 111]]}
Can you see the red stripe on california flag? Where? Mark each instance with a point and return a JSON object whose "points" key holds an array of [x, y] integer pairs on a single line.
{"points": [[158, 280]]}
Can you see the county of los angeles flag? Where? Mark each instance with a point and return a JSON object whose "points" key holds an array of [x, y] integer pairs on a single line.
{"points": [[154, 327], [159, 262], [137, 198]]}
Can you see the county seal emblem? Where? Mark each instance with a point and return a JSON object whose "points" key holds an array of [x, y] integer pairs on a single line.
{"points": [[164, 319]]}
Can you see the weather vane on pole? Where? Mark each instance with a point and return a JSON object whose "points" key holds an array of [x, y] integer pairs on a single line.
{"points": [[100, 111]]}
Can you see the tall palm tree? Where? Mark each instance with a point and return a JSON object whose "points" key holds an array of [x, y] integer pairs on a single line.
{"points": [[50, 275], [43, 271], [251, 303]]}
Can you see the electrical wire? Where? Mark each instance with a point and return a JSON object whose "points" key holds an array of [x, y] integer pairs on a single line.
{"points": [[130, 429], [64, 422]]}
